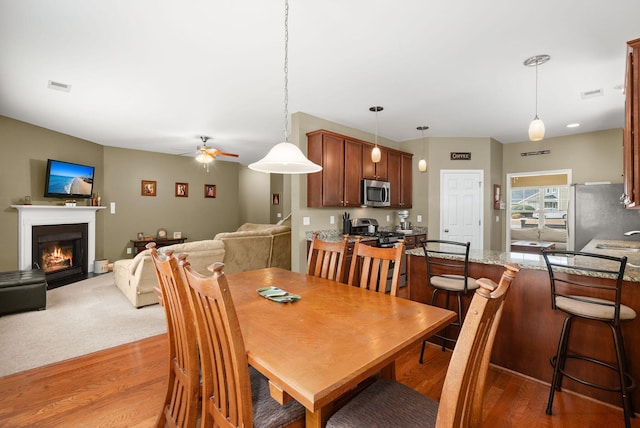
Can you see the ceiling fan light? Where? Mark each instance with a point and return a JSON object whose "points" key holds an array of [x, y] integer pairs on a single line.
{"points": [[285, 158], [422, 165], [536, 129], [204, 158], [376, 155]]}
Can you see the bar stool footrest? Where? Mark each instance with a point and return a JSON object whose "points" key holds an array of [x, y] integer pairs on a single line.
{"points": [[629, 387]]}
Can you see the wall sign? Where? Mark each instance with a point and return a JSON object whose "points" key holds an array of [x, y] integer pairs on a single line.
{"points": [[539, 152], [460, 155]]}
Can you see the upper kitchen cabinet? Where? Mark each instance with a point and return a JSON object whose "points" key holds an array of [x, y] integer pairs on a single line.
{"points": [[631, 135], [338, 184], [400, 178], [378, 170]]}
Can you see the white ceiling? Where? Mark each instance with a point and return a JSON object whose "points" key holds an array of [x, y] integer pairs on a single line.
{"points": [[155, 74]]}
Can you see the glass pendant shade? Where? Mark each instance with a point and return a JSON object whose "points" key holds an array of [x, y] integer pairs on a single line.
{"points": [[204, 158], [285, 158], [422, 165], [536, 129], [376, 155]]}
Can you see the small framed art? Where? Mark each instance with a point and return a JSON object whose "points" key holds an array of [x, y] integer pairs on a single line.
{"points": [[177, 235], [148, 188], [161, 234], [209, 190], [276, 199], [182, 190]]}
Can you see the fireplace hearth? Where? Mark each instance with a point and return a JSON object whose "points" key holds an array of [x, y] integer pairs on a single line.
{"points": [[60, 250]]}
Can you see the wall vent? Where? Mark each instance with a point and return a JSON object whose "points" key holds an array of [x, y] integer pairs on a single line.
{"points": [[593, 93], [58, 86]]}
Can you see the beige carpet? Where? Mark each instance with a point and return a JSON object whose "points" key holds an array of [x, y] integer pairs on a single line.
{"points": [[80, 318]]}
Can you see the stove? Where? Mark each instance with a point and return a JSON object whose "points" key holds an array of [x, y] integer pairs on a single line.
{"points": [[369, 227], [388, 239]]}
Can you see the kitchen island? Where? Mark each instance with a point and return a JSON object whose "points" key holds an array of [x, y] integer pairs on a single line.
{"points": [[530, 329]]}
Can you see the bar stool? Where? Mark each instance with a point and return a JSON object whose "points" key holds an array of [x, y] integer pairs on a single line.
{"points": [[448, 271], [577, 289]]}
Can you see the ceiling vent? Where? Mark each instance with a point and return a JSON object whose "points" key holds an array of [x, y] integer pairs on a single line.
{"points": [[58, 86], [592, 94]]}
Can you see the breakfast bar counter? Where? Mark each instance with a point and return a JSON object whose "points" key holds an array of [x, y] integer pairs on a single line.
{"points": [[529, 331]]}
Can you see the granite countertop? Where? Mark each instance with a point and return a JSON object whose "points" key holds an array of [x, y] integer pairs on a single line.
{"points": [[333, 235], [536, 262]]}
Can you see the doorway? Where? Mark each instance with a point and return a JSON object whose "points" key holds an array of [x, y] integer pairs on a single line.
{"points": [[461, 206]]}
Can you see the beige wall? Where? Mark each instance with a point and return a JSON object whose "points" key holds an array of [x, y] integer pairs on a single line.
{"points": [[118, 178], [594, 156], [196, 217]]}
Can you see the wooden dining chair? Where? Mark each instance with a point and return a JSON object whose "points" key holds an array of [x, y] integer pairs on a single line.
{"points": [[370, 267], [326, 259], [387, 403], [181, 404], [234, 394]]}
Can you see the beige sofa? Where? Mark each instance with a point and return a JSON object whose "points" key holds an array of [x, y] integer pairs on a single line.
{"points": [[252, 246], [546, 234]]}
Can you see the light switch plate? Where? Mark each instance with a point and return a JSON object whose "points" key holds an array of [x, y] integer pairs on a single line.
{"points": [[279, 215], [306, 221], [113, 207], [419, 218], [128, 250]]}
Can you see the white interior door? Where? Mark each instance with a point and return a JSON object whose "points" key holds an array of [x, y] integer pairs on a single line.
{"points": [[461, 206]]}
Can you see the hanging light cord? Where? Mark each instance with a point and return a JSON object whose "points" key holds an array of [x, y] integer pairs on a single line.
{"points": [[286, 70], [536, 89]]}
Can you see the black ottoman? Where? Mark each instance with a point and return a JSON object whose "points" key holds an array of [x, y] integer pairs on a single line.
{"points": [[22, 291]]}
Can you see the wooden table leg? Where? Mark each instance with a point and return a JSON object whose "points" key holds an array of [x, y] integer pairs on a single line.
{"points": [[318, 419]]}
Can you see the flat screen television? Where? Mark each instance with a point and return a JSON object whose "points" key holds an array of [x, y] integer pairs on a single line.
{"points": [[68, 180]]}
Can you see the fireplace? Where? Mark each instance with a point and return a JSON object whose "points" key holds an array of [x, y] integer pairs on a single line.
{"points": [[61, 251]]}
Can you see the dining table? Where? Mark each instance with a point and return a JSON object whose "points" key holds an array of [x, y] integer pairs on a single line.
{"points": [[322, 346]]}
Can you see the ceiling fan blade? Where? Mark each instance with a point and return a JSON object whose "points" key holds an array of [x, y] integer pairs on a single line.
{"points": [[218, 152]]}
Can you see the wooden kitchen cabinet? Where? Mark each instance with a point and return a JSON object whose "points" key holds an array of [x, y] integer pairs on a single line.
{"points": [[378, 170], [401, 178], [413, 241], [345, 163], [338, 184], [631, 134]]}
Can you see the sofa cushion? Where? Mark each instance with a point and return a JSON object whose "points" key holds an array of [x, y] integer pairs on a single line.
{"points": [[528, 234], [272, 228]]}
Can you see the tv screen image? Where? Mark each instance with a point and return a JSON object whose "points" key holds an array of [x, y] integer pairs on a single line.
{"points": [[68, 180]]}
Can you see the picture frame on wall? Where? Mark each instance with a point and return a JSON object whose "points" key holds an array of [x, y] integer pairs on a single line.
{"points": [[177, 235], [497, 194], [209, 190], [148, 188], [276, 199], [182, 190]]}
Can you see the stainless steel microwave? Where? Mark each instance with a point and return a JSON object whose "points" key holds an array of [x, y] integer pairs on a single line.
{"points": [[376, 193]]}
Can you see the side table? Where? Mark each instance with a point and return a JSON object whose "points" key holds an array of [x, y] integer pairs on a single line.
{"points": [[139, 245]]}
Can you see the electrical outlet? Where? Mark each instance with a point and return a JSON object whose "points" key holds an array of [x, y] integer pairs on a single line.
{"points": [[497, 219], [419, 218], [388, 217], [128, 250], [279, 215], [332, 219]]}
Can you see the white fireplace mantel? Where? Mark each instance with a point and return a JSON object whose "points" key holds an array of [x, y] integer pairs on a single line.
{"points": [[38, 215]]}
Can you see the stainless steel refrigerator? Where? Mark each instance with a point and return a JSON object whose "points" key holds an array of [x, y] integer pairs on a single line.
{"points": [[596, 213]]}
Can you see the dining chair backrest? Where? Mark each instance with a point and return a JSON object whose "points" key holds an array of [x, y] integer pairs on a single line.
{"points": [[226, 386], [182, 397], [371, 265], [571, 290], [463, 390], [447, 261], [327, 259]]}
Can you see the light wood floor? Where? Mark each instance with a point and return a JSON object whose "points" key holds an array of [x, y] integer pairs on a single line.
{"points": [[124, 387]]}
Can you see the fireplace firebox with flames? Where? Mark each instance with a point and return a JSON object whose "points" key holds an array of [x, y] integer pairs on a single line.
{"points": [[61, 251]]}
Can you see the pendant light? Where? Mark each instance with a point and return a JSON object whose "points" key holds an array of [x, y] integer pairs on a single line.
{"points": [[422, 164], [376, 155], [536, 127], [285, 157]]}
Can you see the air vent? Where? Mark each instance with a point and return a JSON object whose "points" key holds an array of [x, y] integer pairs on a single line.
{"points": [[591, 94], [58, 86]]}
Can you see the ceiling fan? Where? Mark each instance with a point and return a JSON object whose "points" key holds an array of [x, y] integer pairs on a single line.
{"points": [[207, 154]]}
